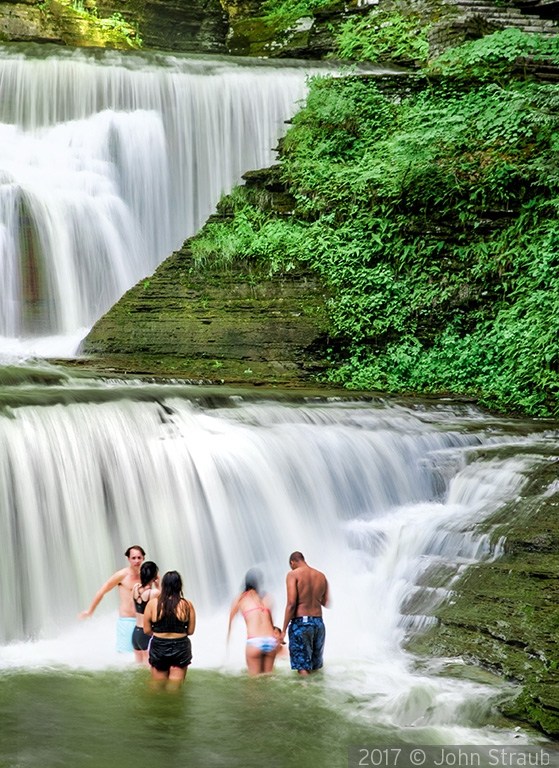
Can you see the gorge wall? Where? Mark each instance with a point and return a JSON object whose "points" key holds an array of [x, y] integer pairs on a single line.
{"points": [[179, 26], [224, 323], [241, 27], [191, 26]]}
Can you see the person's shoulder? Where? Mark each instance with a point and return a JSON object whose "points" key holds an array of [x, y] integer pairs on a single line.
{"points": [[318, 573], [292, 574], [120, 575]]}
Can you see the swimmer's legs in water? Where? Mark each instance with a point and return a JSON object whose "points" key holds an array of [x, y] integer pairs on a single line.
{"points": [[170, 680]]}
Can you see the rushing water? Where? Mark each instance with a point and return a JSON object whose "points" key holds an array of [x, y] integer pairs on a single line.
{"points": [[212, 484], [108, 161]]}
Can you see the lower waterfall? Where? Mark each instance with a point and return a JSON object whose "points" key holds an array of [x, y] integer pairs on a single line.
{"points": [[374, 494]]}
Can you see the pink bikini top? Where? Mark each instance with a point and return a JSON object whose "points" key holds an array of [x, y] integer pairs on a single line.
{"points": [[257, 608]]}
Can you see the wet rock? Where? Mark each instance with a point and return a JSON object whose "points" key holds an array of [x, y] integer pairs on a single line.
{"points": [[504, 615], [233, 326]]}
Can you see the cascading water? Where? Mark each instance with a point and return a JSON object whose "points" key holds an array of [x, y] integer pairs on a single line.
{"points": [[108, 162], [373, 495], [215, 492]]}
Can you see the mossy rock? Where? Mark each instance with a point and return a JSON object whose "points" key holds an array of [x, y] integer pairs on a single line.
{"points": [[504, 615], [238, 325]]}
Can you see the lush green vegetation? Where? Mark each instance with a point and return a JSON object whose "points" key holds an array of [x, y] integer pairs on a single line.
{"points": [[383, 35], [392, 34], [430, 209], [280, 14]]}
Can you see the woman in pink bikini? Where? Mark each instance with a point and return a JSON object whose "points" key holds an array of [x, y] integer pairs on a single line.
{"points": [[262, 645]]}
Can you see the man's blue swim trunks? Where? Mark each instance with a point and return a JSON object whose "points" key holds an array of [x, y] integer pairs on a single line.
{"points": [[124, 628], [306, 642]]}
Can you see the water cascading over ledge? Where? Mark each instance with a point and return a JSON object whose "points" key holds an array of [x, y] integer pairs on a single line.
{"points": [[374, 493], [109, 161]]}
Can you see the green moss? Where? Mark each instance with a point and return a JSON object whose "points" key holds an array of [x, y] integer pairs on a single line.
{"points": [[384, 35], [80, 26], [504, 615]]}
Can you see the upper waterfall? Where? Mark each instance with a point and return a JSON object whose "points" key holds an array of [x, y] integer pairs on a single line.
{"points": [[109, 161]]}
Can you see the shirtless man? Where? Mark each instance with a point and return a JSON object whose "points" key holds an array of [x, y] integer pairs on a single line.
{"points": [[124, 580], [307, 593]]}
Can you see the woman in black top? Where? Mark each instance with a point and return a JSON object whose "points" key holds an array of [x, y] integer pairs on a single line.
{"points": [[170, 618], [141, 594]]}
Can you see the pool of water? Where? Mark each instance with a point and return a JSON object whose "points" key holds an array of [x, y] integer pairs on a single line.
{"points": [[114, 718]]}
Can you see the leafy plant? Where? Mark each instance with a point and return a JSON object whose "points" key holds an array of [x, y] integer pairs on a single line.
{"points": [[431, 214], [498, 56], [383, 35], [282, 13]]}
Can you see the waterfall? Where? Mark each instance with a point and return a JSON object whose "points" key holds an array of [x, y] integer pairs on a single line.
{"points": [[372, 494], [108, 162]]}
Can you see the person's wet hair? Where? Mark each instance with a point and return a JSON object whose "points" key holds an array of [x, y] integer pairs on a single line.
{"points": [[171, 595], [253, 579], [134, 546], [148, 572], [296, 557]]}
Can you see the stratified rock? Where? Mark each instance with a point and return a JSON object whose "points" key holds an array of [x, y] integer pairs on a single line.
{"points": [[503, 614], [235, 325]]}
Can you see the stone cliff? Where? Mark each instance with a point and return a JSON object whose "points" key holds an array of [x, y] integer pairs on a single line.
{"points": [[230, 325], [239, 27]]}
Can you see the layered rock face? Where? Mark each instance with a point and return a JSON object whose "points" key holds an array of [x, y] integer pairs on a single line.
{"points": [[224, 326], [232, 323], [239, 27], [502, 614], [177, 25]]}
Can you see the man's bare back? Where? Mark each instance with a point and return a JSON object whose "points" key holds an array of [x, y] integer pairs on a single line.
{"points": [[308, 589], [307, 594]]}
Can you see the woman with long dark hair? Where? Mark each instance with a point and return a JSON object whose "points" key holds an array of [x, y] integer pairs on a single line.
{"points": [[141, 594], [262, 644], [170, 619]]}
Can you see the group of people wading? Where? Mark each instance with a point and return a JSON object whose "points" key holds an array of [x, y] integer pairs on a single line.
{"points": [[155, 620]]}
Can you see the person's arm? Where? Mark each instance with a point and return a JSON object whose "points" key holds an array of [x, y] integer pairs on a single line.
{"points": [[149, 616], [291, 605], [191, 618], [111, 583], [232, 613], [326, 596]]}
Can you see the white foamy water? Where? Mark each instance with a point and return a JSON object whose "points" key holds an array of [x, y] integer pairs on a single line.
{"points": [[107, 163], [374, 496]]}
